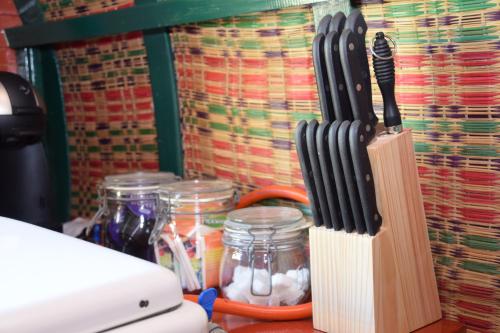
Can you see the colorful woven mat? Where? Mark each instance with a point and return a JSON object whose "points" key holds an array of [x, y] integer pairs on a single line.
{"points": [[243, 83], [448, 79], [109, 113], [63, 9]]}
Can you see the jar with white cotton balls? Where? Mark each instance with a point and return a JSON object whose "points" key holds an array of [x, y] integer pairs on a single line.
{"points": [[265, 260]]}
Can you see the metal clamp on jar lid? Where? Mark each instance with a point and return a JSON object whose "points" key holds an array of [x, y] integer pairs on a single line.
{"points": [[268, 229]]}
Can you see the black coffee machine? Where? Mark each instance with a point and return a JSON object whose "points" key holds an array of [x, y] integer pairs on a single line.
{"points": [[25, 193]]}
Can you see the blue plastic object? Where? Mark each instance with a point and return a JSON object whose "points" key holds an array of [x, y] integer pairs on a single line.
{"points": [[207, 300]]}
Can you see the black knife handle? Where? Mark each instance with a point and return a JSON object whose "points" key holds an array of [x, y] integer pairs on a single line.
{"points": [[383, 66], [357, 24], [359, 96], [325, 97], [364, 177], [328, 177], [347, 166], [337, 23], [338, 89], [312, 150], [305, 167], [324, 24], [338, 173]]}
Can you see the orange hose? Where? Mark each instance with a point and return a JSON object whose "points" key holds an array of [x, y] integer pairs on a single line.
{"points": [[273, 191], [275, 313]]}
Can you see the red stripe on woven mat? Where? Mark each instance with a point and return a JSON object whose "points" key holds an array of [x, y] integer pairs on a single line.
{"points": [[480, 215], [251, 63], [262, 168], [114, 108], [243, 179], [475, 55], [142, 92], [261, 182], [475, 307], [478, 78], [413, 79], [298, 62], [87, 96], [474, 323], [224, 145], [478, 98], [144, 106], [89, 108], [222, 160], [261, 151], [261, 79], [409, 61], [214, 61], [302, 95], [478, 177], [152, 165], [242, 164], [215, 76], [217, 90], [412, 98], [113, 95], [224, 174], [477, 291], [300, 80], [254, 93], [89, 119], [479, 197], [145, 116]]}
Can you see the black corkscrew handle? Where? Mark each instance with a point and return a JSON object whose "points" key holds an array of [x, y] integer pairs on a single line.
{"points": [[383, 65]]}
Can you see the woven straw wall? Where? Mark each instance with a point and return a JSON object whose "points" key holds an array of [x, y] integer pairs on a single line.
{"points": [[8, 18], [63, 9], [109, 113], [243, 84]]}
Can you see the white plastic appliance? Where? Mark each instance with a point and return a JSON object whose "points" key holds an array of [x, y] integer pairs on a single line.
{"points": [[50, 282]]}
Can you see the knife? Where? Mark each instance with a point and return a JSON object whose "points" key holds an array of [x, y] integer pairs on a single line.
{"points": [[359, 91], [327, 173], [364, 177], [338, 173], [307, 174], [347, 167], [324, 24], [357, 24], [338, 90], [383, 66], [325, 97], [337, 23], [312, 150]]}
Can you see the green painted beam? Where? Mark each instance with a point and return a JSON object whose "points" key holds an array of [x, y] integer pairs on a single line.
{"points": [[163, 83], [43, 72], [144, 17]]}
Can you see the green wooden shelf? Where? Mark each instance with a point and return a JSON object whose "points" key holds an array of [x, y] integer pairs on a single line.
{"points": [[144, 17]]}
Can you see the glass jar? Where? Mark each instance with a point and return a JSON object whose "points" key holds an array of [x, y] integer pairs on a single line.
{"points": [[265, 259], [127, 211], [188, 235]]}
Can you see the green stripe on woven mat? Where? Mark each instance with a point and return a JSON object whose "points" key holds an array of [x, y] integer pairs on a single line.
{"points": [[252, 44], [480, 242], [116, 132], [210, 41], [220, 126], [445, 261], [479, 267], [119, 148], [260, 132], [93, 149], [147, 131], [463, 6], [90, 134], [479, 126], [298, 116], [419, 125], [432, 234], [139, 70], [422, 147], [107, 57], [80, 61], [293, 43], [490, 151], [138, 52], [149, 148], [256, 114], [447, 237], [217, 109]]}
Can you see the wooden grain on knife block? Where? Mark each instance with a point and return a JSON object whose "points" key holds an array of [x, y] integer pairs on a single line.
{"points": [[384, 283]]}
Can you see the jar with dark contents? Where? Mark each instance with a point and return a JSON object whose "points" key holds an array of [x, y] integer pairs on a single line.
{"points": [[188, 236], [127, 211], [265, 260]]}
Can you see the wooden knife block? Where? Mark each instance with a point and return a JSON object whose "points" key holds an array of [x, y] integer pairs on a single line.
{"points": [[383, 283]]}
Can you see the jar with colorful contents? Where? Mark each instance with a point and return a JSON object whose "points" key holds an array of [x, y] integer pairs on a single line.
{"points": [[188, 235], [265, 259], [127, 211]]}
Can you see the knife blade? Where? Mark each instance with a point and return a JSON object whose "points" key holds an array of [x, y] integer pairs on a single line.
{"points": [[338, 173], [324, 24], [338, 90], [359, 92], [327, 173], [364, 177], [347, 167], [312, 150], [325, 97], [307, 173]]}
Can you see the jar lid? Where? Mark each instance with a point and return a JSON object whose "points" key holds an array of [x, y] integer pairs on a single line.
{"points": [[262, 221], [196, 190], [138, 181]]}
